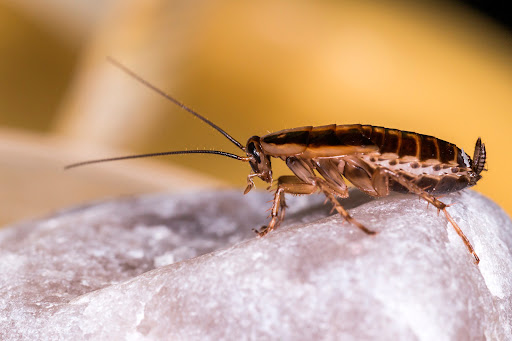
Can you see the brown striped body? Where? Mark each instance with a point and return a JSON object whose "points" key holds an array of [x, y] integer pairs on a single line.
{"points": [[433, 164]]}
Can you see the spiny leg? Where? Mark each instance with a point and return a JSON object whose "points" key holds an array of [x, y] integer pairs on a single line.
{"points": [[250, 182], [277, 213], [332, 184], [380, 172], [328, 192], [293, 185], [285, 184]]}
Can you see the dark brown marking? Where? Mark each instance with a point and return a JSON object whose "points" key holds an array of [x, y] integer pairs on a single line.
{"points": [[323, 136], [446, 151], [396, 187], [366, 130], [455, 169], [429, 149], [462, 182], [377, 136], [415, 165], [352, 135], [392, 162], [391, 141], [437, 168], [298, 136], [399, 135], [427, 183], [451, 183], [409, 146]]}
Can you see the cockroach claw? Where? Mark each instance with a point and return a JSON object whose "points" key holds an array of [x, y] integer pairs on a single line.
{"points": [[262, 231]]}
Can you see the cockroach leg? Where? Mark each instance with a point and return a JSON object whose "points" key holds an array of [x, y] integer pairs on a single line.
{"points": [[332, 184], [293, 185], [325, 188], [413, 188], [277, 213], [285, 184], [461, 234], [250, 182]]}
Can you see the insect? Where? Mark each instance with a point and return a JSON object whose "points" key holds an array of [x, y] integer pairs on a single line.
{"points": [[374, 159]]}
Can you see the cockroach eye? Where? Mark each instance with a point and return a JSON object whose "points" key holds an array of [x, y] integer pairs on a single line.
{"points": [[254, 152]]}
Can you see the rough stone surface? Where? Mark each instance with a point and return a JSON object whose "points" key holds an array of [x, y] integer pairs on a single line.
{"points": [[189, 267]]}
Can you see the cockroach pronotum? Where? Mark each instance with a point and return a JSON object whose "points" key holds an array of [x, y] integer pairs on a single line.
{"points": [[376, 160]]}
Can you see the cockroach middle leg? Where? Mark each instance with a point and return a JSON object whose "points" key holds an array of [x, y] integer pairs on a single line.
{"points": [[332, 185], [413, 188], [339, 208]]}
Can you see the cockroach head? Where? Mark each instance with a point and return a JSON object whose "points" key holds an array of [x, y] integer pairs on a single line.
{"points": [[259, 161]]}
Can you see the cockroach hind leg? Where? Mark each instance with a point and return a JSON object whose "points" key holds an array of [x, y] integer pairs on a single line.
{"points": [[442, 207], [413, 188], [461, 235]]}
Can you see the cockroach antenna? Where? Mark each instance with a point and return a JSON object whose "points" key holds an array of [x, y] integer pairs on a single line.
{"points": [[175, 101], [181, 105], [217, 152]]}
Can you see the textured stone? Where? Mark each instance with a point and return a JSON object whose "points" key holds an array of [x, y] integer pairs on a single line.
{"points": [[189, 267]]}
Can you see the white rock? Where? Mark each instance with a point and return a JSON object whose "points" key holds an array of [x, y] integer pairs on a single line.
{"points": [[189, 267]]}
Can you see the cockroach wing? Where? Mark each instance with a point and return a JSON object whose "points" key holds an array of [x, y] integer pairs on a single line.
{"points": [[317, 142]]}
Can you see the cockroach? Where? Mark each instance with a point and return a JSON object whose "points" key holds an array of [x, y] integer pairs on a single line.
{"points": [[374, 159]]}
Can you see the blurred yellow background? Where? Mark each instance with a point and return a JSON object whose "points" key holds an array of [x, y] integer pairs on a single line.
{"points": [[435, 68]]}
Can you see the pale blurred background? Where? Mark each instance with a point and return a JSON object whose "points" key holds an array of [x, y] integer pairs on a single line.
{"points": [[252, 67]]}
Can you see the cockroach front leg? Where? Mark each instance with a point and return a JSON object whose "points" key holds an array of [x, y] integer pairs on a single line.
{"points": [[250, 182], [277, 213], [382, 174], [285, 184]]}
